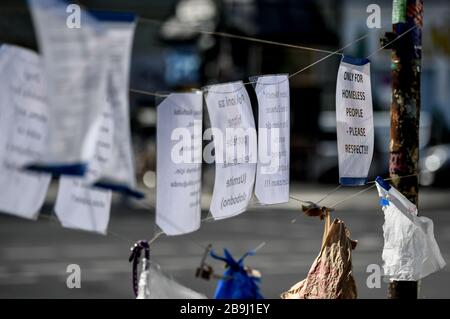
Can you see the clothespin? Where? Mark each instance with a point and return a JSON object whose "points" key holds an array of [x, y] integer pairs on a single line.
{"points": [[205, 271], [315, 210], [253, 272], [135, 256]]}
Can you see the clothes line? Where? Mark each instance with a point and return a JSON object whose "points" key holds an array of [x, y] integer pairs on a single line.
{"points": [[384, 46], [331, 53], [209, 218], [234, 36], [333, 205], [205, 88], [185, 26]]}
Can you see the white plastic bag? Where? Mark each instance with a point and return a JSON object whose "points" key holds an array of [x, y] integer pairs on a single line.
{"points": [[153, 284], [410, 250]]}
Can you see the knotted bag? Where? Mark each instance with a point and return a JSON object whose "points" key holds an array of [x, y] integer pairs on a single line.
{"points": [[330, 276]]}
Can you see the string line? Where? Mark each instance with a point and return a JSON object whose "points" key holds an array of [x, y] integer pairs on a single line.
{"points": [[331, 53], [389, 43], [159, 234], [352, 196], [262, 244], [207, 90], [235, 36]]}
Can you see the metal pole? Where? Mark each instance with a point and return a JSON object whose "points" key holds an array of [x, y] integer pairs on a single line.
{"points": [[405, 112]]}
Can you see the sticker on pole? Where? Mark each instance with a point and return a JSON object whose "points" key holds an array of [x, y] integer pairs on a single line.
{"points": [[354, 121]]}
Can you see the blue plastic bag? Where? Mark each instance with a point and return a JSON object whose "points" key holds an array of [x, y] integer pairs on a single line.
{"points": [[237, 282]]}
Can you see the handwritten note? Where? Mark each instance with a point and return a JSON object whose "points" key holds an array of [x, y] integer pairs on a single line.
{"points": [[272, 175], [116, 170], [74, 63], [23, 131], [80, 207], [231, 116]]}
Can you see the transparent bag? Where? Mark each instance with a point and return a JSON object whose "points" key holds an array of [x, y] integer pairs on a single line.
{"points": [[153, 284]]}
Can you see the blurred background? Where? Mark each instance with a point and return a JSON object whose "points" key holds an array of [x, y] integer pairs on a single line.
{"points": [[169, 55]]}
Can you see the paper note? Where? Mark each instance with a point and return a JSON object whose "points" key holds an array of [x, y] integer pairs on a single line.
{"points": [[74, 61], [235, 145], [272, 175], [23, 131], [116, 171], [179, 158], [79, 206], [354, 121]]}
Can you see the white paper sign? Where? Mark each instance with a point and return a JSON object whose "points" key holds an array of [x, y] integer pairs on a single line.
{"points": [[272, 175], [235, 146], [410, 250], [23, 131], [116, 170], [179, 158], [74, 62], [81, 207], [354, 121]]}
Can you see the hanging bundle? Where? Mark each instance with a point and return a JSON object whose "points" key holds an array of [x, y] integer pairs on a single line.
{"points": [[238, 282], [330, 276], [410, 250]]}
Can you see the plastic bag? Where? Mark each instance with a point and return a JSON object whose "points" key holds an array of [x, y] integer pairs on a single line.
{"points": [[410, 251], [237, 282], [330, 276], [153, 284]]}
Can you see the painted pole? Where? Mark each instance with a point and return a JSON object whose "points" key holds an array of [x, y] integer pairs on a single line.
{"points": [[405, 112]]}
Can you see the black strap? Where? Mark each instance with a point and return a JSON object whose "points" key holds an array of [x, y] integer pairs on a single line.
{"points": [[135, 256]]}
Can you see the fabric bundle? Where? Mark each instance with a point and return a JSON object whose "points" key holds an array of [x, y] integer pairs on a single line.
{"points": [[330, 276]]}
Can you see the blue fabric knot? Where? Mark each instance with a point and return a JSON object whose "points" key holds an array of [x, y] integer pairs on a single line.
{"points": [[237, 283]]}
